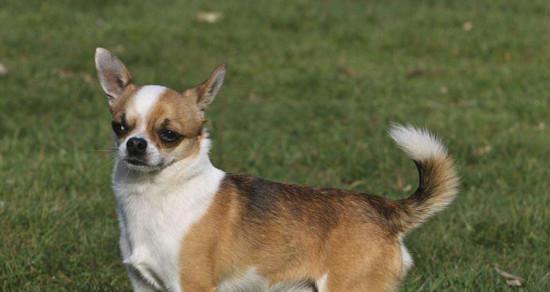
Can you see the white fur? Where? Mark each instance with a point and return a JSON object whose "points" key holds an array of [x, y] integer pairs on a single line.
{"points": [[99, 53], [145, 98], [156, 210], [419, 144], [321, 283], [406, 259], [248, 282], [252, 281]]}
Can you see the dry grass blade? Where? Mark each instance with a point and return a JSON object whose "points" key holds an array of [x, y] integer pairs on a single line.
{"points": [[467, 26], [209, 17], [511, 280], [3, 69]]}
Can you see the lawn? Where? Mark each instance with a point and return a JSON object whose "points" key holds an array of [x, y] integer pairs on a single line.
{"points": [[312, 87]]}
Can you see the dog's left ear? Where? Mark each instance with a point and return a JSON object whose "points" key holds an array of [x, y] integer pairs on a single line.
{"points": [[207, 91], [113, 75]]}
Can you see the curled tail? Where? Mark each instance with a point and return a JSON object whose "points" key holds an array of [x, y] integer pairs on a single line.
{"points": [[438, 183]]}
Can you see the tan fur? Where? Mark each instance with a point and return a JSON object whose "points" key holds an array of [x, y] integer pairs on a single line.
{"points": [[438, 188], [300, 242]]}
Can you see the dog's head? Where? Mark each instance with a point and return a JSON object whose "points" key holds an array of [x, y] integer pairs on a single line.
{"points": [[154, 126]]}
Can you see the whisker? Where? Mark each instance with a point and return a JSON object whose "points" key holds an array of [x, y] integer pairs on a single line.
{"points": [[108, 149]]}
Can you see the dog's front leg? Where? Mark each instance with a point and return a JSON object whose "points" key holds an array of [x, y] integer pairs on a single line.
{"points": [[138, 283]]}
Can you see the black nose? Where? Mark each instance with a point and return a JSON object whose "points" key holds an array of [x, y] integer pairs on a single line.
{"points": [[136, 146]]}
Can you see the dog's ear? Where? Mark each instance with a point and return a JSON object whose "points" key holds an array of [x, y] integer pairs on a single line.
{"points": [[207, 91], [113, 75]]}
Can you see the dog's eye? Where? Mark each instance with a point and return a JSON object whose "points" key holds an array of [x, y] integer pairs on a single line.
{"points": [[169, 135], [119, 128]]}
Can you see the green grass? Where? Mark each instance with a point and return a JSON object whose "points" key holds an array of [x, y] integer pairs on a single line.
{"points": [[310, 92]]}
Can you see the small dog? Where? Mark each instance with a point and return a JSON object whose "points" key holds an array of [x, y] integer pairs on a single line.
{"points": [[189, 226]]}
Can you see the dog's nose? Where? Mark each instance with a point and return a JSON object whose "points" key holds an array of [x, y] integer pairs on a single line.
{"points": [[136, 146]]}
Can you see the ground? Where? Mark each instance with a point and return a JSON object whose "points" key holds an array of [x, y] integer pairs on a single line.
{"points": [[312, 87]]}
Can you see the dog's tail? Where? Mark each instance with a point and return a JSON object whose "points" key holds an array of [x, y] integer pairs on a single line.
{"points": [[438, 183]]}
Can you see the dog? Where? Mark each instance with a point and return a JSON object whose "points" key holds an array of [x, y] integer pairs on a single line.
{"points": [[186, 225]]}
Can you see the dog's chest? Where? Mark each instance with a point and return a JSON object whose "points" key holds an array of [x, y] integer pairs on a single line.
{"points": [[155, 219]]}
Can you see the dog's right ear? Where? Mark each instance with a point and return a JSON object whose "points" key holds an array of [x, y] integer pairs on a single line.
{"points": [[113, 75]]}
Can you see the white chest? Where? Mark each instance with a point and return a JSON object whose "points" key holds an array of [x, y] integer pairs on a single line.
{"points": [[154, 219]]}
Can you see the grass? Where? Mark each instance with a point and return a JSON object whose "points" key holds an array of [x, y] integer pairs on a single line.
{"points": [[311, 89]]}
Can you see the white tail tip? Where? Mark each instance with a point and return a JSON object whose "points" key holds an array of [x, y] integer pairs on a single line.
{"points": [[419, 144]]}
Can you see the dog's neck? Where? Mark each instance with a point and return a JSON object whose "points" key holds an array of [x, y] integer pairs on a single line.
{"points": [[177, 173]]}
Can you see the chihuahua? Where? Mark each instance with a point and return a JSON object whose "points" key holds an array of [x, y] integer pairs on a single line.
{"points": [[186, 225]]}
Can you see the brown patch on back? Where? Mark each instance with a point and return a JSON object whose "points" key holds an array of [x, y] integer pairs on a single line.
{"points": [[291, 233]]}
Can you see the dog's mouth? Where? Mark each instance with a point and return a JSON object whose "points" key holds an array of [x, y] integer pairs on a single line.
{"points": [[136, 161], [142, 165]]}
